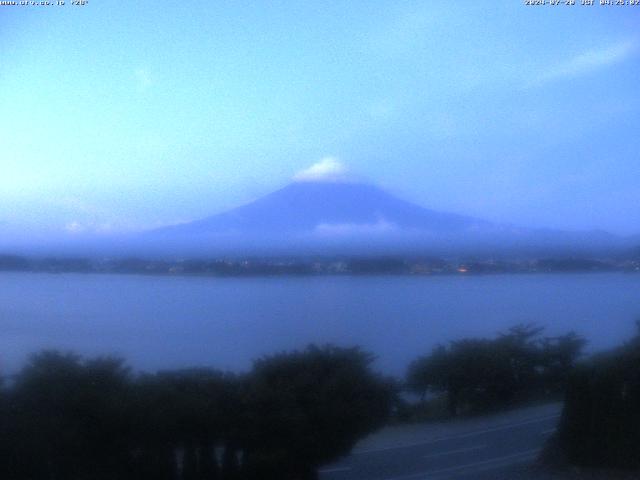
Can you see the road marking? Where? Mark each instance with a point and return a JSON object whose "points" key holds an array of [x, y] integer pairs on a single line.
{"points": [[484, 464], [459, 450], [334, 470], [463, 435]]}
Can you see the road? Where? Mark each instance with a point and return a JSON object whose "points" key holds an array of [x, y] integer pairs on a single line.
{"points": [[494, 447]]}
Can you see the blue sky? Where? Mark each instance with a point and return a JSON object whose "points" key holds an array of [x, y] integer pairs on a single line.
{"points": [[128, 115]]}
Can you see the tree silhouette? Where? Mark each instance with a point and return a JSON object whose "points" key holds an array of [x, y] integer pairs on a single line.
{"points": [[600, 424], [70, 417], [484, 374], [308, 408], [190, 411], [559, 356]]}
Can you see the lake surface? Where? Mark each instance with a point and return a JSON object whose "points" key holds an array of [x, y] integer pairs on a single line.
{"points": [[167, 322]]}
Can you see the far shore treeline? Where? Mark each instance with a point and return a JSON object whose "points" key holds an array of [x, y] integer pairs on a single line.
{"points": [[626, 261], [71, 418]]}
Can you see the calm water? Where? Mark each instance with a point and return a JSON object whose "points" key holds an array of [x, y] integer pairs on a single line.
{"points": [[159, 322]]}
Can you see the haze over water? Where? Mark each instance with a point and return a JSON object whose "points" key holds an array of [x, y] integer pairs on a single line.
{"points": [[160, 322]]}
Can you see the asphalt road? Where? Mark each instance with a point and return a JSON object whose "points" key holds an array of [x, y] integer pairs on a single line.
{"points": [[495, 447]]}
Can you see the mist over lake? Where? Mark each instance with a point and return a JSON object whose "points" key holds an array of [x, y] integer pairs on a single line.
{"points": [[160, 322]]}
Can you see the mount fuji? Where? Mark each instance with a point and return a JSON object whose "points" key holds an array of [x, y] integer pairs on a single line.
{"points": [[325, 208], [322, 208]]}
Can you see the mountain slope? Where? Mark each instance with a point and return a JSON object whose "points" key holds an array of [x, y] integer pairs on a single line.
{"points": [[343, 217], [305, 207]]}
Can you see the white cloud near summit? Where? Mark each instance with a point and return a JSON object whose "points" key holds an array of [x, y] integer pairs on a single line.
{"points": [[329, 169]]}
